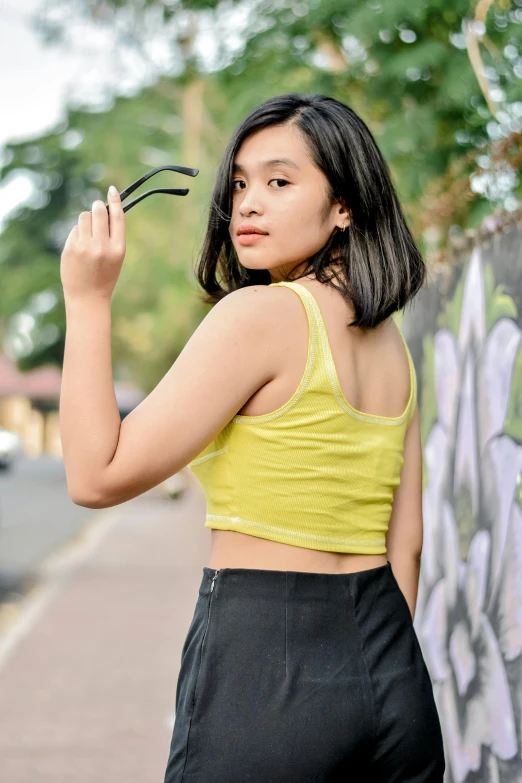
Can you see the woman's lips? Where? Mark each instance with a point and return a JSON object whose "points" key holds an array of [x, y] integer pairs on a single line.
{"points": [[250, 239]]}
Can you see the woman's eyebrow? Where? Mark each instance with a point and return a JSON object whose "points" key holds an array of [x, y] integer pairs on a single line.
{"points": [[269, 164]]}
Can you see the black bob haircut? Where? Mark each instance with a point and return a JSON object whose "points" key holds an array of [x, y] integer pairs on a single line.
{"points": [[381, 266]]}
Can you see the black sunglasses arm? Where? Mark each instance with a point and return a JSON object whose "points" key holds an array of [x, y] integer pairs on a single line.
{"points": [[173, 191]]}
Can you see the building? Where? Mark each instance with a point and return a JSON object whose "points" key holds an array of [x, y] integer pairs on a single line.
{"points": [[29, 405]]}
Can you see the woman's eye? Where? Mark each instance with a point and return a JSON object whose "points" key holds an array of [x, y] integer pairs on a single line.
{"points": [[239, 181]]}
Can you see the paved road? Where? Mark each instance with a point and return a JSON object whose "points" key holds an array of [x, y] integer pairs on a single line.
{"points": [[88, 669], [36, 516]]}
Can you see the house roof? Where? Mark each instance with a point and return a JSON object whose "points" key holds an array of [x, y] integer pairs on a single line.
{"points": [[44, 383]]}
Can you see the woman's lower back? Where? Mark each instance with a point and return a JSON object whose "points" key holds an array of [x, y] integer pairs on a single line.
{"points": [[230, 549]]}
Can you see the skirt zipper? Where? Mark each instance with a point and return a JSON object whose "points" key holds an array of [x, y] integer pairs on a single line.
{"points": [[209, 606], [214, 579]]}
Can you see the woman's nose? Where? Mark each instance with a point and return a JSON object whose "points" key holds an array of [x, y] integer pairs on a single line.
{"points": [[250, 202]]}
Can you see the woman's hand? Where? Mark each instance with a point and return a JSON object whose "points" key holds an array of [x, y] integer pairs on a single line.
{"points": [[93, 253]]}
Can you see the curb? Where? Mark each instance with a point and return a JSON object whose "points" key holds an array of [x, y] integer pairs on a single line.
{"points": [[17, 619]]}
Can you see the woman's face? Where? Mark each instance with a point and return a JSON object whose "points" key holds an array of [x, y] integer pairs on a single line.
{"points": [[285, 199]]}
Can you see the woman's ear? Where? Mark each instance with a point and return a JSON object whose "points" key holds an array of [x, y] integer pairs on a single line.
{"points": [[345, 214]]}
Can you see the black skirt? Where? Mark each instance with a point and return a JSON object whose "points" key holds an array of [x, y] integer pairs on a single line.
{"points": [[294, 677]]}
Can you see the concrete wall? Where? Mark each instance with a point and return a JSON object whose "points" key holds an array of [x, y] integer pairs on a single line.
{"points": [[464, 332], [40, 432]]}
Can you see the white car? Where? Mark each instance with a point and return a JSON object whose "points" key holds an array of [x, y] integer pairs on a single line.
{"points": [[10, 447]]}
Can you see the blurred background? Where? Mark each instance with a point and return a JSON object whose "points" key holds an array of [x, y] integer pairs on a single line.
{"points": [[95, 605]]}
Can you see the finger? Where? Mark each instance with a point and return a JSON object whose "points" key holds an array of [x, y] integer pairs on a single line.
{"points": [[100, 221], [85, 225], [72, 238], [116, 217]]}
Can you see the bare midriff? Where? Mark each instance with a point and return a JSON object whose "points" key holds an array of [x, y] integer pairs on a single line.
{"points": [[231, 549]]}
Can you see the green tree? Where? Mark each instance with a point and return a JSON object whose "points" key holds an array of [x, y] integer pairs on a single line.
{"points": [[410, 69], [404, 67]]}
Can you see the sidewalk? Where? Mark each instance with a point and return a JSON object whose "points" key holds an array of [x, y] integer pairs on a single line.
{"points": [[88, 668]]}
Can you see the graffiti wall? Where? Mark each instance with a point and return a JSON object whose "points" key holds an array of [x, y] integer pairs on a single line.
{"points": [[464, 332]]}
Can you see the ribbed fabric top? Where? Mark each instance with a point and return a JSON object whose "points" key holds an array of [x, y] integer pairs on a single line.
{"points": [[316, 472]]}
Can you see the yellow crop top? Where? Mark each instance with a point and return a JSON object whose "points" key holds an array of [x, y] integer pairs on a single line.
{"points": [[316, 472]]}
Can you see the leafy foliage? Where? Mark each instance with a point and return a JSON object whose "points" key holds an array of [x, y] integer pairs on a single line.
{"points": [[402, 66]]}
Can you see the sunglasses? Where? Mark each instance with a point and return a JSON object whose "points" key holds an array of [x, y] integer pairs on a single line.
{"points": [[141, 180]]}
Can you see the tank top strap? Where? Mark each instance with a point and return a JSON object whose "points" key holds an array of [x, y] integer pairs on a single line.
{"points": [[321, 364], [311, 307], [316, 364], [303, 293], [413, 379]]}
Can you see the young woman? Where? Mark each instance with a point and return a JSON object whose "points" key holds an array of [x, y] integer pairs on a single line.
{"points": [[294, 402]]}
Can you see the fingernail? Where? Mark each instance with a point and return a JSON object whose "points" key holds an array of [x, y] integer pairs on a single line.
{"points": [[112, 191]]}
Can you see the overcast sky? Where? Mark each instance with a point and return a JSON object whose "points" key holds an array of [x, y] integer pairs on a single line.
{"points": [[37, 79], [33, 76], [32, 88]]}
